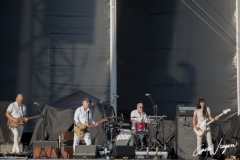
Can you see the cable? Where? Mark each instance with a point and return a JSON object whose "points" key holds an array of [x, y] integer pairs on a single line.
{"points": [[206, 22], [214, 21]]}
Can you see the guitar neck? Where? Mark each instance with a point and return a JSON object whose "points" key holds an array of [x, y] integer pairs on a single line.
{"points": [[33, 117], [214, 119], [93, 124]]}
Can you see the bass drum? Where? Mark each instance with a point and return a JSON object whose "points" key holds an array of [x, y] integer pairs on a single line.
{"points": [[124, 138]]}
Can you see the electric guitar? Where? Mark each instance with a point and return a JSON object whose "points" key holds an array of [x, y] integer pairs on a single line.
{"points": [[202, 125], [21, 121], [80, 132]]}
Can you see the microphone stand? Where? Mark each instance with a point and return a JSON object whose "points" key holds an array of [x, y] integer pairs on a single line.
{"points": [[109, 143], [154, 106], [112, 102], [155, 143], [104, 124]]}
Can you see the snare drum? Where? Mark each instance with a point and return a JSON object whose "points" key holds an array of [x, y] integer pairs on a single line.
{"points": [[140, 127]]}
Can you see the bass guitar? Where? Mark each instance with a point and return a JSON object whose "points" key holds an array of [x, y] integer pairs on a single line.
{"points": [[80, 132], [21, 121], [202, 125]]}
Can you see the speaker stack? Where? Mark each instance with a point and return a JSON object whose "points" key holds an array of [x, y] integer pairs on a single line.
{"points": [[185, 137], [66, 145]]}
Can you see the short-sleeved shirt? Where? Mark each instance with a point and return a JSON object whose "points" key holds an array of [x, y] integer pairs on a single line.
{"points": [[16, 110], [140, 118], [199, 114], [83, 116]]}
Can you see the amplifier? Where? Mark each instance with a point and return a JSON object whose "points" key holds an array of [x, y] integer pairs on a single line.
{"points": [[67, 135], [7, 147], [185, 110], [66, 149]]}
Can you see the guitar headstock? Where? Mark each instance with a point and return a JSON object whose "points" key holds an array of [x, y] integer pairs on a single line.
{"points": [[226, 111]]}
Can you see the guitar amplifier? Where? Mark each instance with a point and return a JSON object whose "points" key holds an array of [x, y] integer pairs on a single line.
{"points": [[67, 135], [66, 148], [7, 147], [185, 110]]}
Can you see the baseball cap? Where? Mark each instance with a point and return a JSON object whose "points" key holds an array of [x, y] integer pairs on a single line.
{"points": [[86, 99]]}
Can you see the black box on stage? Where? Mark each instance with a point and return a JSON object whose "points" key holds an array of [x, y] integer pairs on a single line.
{"points": [[83, 151], [123, 151], [48, 149], [186, 139], [7, 147]]}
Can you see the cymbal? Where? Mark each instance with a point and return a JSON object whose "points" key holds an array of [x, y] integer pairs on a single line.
{"points": [[115, 117], [122, 124]]}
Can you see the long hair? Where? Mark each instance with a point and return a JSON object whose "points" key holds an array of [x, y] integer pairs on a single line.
{"points": [[204, 108]]}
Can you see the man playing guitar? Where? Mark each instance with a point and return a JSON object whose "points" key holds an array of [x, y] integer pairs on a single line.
{"points": [[14, 111], [82, 116], [201, 113]]}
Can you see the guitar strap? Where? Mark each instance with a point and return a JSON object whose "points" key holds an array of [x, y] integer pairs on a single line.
{"points": [[22, 109], [88, 116]]}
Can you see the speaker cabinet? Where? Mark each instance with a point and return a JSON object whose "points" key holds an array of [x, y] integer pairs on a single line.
{"points": [[66, 149], [186, 138], [7, 147], [67, 136], [82, 151], [45, 149], [124, 151]]}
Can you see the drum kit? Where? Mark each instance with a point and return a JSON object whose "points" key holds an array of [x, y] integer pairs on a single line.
{"points": [[116, 135], [139, 137]]}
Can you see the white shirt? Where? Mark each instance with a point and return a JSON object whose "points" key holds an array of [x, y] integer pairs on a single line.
{"points": [[16, 111], [140, 118], [83, 116], [199, 114]]}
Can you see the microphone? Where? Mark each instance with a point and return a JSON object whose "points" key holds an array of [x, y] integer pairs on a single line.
{"points": [[117, 96], [36, 103], [147, 94]]}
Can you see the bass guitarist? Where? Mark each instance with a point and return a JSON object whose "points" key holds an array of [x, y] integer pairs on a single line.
{"points": [[201, 113], [14, 111], [82, 116]]}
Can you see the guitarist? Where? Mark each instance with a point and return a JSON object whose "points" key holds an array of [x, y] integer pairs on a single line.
{"points": [[201, 113], [83, 115], [14, 111]]}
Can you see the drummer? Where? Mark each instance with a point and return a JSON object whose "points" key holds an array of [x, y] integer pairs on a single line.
{"points": [[138, 116]]}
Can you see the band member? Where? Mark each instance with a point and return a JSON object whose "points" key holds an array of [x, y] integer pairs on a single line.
{"points": [[14, 111], [201, 113], [83, 115], [138, 115]]}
